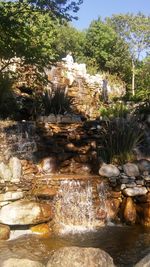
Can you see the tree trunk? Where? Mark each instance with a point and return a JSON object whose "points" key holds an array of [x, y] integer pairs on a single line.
{"points": [[133, 78]]}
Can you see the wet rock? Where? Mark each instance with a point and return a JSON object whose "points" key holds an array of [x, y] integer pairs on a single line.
{"points": [[144, 199], [80, 257], [112, 206], [131, 169], [11, 196], [5, 172], [4, 232], [44, 192], [129, 210], [135, 191], [143, 212], [42, 230], [24, 212], [145, 262], [21, 263], [109, 170], [16, 168]]}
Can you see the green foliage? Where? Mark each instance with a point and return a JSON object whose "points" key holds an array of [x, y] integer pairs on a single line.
{"points": [[116, 110], [56, 102], [7, 100], [118, 138], [106, 49]]}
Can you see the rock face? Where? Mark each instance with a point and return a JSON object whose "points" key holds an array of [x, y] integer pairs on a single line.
{"points": [[109, 170], [23, 212], [21, 263], [80, 257]]}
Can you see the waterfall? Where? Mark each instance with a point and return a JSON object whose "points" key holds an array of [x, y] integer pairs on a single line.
{"points": [[74, 207]]}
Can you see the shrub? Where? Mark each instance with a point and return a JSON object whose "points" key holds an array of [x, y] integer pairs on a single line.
{"points": [[118, 138], [56, 102], [113, 111], [7, 100]]}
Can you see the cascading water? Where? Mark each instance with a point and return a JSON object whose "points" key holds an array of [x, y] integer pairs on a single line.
{"points": [[74, 207]]}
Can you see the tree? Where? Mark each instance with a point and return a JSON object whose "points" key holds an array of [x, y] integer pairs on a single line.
{"points": [[106, 48], [135, 31]]}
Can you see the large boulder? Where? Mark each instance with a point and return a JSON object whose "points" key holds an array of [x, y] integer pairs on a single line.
{"points": [[10, 196], [80, 257], [109, 170], [24, 212], [12, 262]]}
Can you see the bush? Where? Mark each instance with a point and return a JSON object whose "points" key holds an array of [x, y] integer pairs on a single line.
{"points": [[7, 101], [56, 102], [112, 111], [118, 138]]}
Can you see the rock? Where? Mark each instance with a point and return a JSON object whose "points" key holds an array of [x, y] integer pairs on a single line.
{"points": [[4, 232], [145, 262], [109, 170], [41, 229], [16, 168], [11, 196], [24, 212], [129, 210], [143, 165], [143, 212], [144, 199], [80, 257], [131, 169], [48, 165], [21, 263], [44, 192], [135, 191], [5, 172], [112, 205]]}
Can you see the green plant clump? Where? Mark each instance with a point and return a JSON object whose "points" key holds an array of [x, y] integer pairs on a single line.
{"points": [[56, 102], [118, 110], [118, 138]]}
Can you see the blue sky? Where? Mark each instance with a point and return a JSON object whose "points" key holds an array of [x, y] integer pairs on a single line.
{"points": [[92, 9]]}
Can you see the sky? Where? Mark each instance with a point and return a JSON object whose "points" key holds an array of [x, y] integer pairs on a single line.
{"points": [[92, 9]]}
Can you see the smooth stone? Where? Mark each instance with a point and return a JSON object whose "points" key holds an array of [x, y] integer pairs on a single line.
{"points": [[4, 232], [5, 172], [24, 212], [80, 257], [13, 262], [11, 196], [135, 191], [131, 169], [145, 262], [16, 168], [143, 165], [109, 170], [129, 210]]}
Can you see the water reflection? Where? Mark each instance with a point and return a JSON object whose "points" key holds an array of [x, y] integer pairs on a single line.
{"points": [[127, 245]]}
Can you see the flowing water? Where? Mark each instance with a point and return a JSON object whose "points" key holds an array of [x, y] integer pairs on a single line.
{"points": [[74, 210]]}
